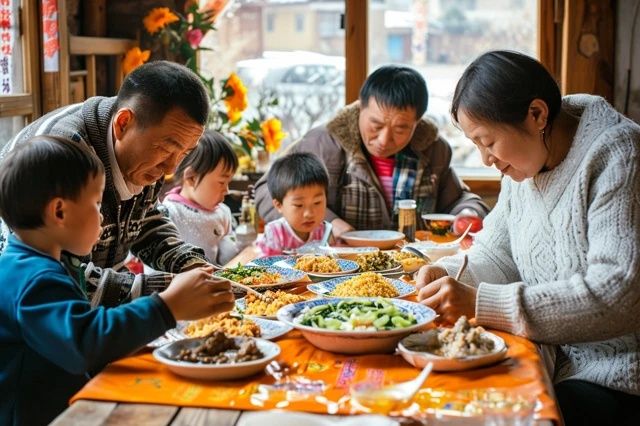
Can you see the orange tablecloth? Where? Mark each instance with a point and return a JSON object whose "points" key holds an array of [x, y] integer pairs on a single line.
{"points": [[141, 379]]}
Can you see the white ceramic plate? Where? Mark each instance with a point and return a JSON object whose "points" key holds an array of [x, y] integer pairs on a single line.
{"points": [[287, 276], [420, 358], [382, 239], [355, 342], [166, 353], [326, 287], [435, 250], [269, 330]]}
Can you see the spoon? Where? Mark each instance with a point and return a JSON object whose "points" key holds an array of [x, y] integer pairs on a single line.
{"points": [[465, 260], [400, 392], [460, 238]]}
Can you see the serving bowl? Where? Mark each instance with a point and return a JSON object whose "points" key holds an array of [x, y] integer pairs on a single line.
{"points": [[355, 341], [408, 349], [438, 224], [166, 353], [381, 239]]}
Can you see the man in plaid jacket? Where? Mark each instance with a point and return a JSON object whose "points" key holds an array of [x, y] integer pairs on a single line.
{"points": [[379, 150], [140, 135]]}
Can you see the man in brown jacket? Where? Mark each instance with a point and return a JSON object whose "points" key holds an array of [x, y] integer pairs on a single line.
{"points": [[379, 150]]}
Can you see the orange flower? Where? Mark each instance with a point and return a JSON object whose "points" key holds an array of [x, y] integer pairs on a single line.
{"points": [[159, 18], [212, 9], [134, 58], [237, 101], [272, 134]]}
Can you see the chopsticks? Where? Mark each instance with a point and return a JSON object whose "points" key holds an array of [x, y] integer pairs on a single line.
{"points": [[465, 260]]}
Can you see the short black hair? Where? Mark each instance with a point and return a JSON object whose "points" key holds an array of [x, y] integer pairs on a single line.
{"points": [[397, 87], [39, 170], [499, 86], [212, 148], [155, 88], [296, 170]]}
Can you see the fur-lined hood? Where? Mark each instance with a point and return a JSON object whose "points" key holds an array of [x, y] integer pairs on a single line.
{"points": [[344, 128]]}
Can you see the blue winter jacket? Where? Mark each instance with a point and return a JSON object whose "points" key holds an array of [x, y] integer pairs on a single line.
{"points": [[51, 340]]}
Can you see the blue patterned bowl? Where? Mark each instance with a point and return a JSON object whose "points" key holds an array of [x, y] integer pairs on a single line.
{"points": [[326, 287], [355, 341], [346, 267]]}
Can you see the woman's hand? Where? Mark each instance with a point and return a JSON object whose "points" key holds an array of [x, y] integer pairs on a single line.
{"points": [[196, 294], [448, 297]]}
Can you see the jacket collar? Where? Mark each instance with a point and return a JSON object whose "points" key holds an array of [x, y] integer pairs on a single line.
{"points": [[345, 129]]}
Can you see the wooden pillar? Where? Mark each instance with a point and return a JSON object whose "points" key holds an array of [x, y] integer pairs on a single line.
{"points": [[588, 47], [94, 23], [356, 47]]}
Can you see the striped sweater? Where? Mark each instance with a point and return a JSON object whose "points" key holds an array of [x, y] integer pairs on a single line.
{"points": [[133, 225]]}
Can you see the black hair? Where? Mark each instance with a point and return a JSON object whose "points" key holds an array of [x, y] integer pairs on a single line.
{"points": [[296, 170], [157, 87], [499, 86], [397, 87], [212, 148], [39, 170]]}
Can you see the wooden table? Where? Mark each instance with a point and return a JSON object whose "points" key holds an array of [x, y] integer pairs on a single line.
{"points": [[86, 413]]}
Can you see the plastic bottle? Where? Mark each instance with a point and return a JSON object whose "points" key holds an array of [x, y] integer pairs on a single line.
{"points": [[407, 219]]}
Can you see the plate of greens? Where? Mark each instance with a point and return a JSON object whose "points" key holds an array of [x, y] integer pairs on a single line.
{"points": [[261, 276]]}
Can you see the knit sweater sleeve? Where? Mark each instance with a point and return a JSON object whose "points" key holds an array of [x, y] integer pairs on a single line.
{"points": [[490, 257], [600, 301]]}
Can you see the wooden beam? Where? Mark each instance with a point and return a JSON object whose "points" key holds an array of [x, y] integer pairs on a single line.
{"points": [[31, 56], [16, 105], [65, 67], [79, 45], [356, 47]]}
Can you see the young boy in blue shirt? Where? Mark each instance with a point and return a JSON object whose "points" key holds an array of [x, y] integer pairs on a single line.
{"points": [[51, 339]]}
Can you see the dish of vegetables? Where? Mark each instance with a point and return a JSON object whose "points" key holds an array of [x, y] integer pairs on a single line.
{"points": [[261, 276], [365, 315]]}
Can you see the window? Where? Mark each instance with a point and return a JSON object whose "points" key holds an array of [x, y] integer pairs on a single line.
{"points": [[299, 23], [329, 24], [18, 66], [270, 22], [440, 38], [306, 72]]}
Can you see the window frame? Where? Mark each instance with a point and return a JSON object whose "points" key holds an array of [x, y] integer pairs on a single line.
{"points": [[26, 104], [356, 65]]}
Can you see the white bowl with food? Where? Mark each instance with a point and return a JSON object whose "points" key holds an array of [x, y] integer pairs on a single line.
{"points": [[461, 347], [438, 224], [356, 325], [382, 239], [203, 359], [435, 251]]}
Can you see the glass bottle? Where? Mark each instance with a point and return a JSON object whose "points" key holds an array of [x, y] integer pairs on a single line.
{"points": [[407, 219], [245, 232]]}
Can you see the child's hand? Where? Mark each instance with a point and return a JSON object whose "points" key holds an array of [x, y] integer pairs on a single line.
{"points": [[196, 294]]}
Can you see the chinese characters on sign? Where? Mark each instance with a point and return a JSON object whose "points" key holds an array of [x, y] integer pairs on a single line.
{"points": [[50, 36], [6, 46]]}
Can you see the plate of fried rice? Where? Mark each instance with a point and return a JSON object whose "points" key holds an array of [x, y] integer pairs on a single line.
{"points": [[367, 284]]}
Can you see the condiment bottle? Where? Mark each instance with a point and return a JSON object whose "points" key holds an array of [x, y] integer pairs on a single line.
{"points": [[407, 219]]}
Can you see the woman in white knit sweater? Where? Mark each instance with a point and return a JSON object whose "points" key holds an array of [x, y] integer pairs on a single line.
{"points": [[557, 261]]}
